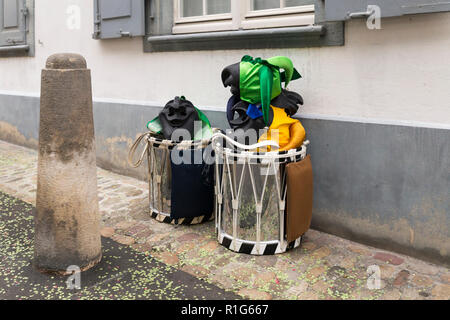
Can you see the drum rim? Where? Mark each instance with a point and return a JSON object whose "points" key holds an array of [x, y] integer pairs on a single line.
{"points": [[164, 216], [226, 234], [187, 143], [289, 246], [264, 155], [240, 153], [243, 150]]}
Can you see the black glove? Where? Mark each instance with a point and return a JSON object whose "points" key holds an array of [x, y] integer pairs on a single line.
{"points": [[288, 100]]}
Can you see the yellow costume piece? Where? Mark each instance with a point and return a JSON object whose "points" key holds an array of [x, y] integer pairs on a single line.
{"points": [[288, 132]]}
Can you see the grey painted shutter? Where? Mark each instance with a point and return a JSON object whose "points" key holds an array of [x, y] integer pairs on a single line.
{"points": [[339, 10], [160, 13], [118, 18], [12, 22]]}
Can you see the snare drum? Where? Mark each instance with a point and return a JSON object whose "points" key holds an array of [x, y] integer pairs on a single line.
{"points": [[161, 183], [251, 198]]}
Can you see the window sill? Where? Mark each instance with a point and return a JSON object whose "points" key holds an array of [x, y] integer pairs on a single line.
{"points": [[14, 51], [290, 37]]}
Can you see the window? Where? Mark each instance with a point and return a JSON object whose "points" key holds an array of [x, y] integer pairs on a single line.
{"points": [[192, 16], [15, 35], [187, 25]]}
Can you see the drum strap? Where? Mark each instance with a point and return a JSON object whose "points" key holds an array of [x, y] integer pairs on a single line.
{"points": [[135, 146]]}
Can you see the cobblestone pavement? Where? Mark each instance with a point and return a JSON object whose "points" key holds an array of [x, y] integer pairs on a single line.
{"points": [[324, 267]]}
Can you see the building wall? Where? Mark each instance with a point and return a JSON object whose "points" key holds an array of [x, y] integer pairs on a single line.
{"points": [[399, 72], [377, 112]]}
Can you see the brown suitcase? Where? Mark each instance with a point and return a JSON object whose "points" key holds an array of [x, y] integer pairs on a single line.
{"points": [[299, 198]]}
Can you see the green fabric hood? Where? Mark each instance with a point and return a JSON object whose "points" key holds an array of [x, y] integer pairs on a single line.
{"points": [[260, 80]]}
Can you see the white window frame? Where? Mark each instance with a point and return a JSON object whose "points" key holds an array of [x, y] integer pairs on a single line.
{"points": [[242, 17]]}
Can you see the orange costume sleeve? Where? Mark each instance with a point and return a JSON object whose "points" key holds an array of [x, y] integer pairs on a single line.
{"points": [[287, 132], [297, 135]]}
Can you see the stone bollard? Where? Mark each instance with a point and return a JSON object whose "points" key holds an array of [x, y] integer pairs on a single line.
{"points": [[67, 222]]}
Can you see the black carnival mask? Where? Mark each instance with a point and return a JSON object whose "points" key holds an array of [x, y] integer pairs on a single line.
{"points": [[178, 113]]}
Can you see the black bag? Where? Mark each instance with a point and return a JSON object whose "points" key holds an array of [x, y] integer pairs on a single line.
{"points": [[192, 193]]}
